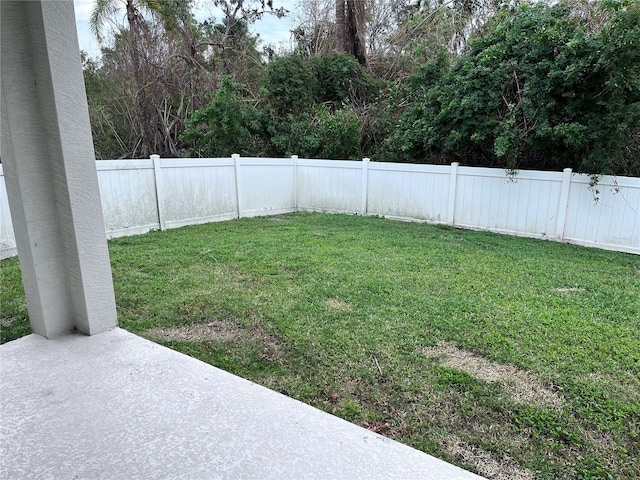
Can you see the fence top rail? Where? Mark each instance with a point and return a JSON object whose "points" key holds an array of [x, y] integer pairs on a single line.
{"points": [[410, 167], [502, 173], [195, 162], [265, 162], [346, 164], [607, 181], [142, 164]]}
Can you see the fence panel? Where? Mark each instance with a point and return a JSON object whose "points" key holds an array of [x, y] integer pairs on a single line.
{"points": [[266, 186], [329, 186], [524, 205], [613, 222], [405, 191], [194, 191], [128, 192]]}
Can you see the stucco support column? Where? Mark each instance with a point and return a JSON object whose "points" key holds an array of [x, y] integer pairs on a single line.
{"points": [[49, 163]]}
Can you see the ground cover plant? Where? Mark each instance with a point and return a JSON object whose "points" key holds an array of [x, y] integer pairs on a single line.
{"points": [[514, 358]]}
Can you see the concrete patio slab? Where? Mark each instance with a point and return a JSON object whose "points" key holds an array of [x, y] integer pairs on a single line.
{"points": [[116, 406]]}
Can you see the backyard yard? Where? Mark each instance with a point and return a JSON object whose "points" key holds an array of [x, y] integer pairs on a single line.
{"points": [[511, 357]]}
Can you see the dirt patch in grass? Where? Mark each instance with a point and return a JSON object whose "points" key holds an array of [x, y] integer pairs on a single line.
{"points": [[337, 304], [522, 386], [213, 330], [486, 463], [7, 322], [568, 289], [221, 331]]}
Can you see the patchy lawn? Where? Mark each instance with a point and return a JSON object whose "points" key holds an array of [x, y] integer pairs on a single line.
{"points": [[512, 357]]}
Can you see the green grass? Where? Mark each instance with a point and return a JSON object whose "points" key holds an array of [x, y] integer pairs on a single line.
{"points": [[341, 312]]}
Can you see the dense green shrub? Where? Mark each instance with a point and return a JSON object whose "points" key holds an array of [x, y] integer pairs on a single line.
{"points": [[342, 80], [306, 111], [311, 104], [291, 84], [544, 87], [229, 124], [318, 133]]}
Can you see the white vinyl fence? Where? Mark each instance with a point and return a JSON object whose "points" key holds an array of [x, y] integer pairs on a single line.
{"points": [[141, 195]]}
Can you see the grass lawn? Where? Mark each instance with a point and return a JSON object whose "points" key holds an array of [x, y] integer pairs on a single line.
{"points": [[514, 358]]}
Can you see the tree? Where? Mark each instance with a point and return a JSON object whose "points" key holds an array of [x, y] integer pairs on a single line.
{"points": [[350, 29], [356, 43], [341, 27], [159, 67], [105, 9], [315, 31]]}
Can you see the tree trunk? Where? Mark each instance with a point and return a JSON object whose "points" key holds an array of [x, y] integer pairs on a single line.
{"points": [[141, 97], [340, 26], [355, 26]]}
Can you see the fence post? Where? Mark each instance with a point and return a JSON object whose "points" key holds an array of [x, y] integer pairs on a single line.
{"points": [[365, 184], [294, 159], [563, 203], [158, 180], [453, 183], [236, 162]]}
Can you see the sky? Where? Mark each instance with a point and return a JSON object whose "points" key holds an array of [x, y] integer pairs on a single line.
{"points": [[272, 30]]}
